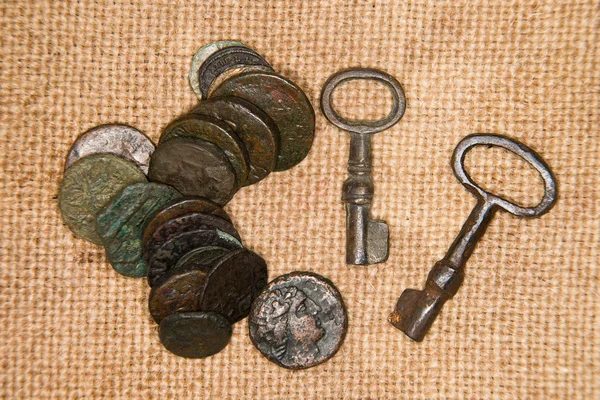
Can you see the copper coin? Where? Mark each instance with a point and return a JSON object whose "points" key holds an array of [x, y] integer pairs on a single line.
{"points": [[233, 283], [212, 130], [121, 140], [167, 256], [298, 321], [256, 129], [186, 223], [285, 103], [225, 59], [177, 291], [194, 334], [194, 167], [121, 224], [203, 257], [180, 207], [89, 185]]}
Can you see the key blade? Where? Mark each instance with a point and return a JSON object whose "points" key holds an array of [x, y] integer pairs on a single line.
{"points": [[378, 236], [415, 312]]}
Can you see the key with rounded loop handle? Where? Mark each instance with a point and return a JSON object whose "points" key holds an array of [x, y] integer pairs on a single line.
{"points": [[367, 241], [417, 309]]}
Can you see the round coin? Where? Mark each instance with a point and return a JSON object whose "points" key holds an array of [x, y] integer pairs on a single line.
{"points": [[180, 207], [203, 257], [256, 129], [121, 140], [233, 283], [121, 224], [214, 131], [194, 334], [201, 56], [298, 321], [226, 59], [177, 291], [89, 185], [186, 223], [167, 256], [194, 167], [285, 103]]}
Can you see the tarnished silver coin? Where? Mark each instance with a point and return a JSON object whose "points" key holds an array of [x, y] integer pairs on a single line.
{"points": [[121, 140], [201, 56], [298, 321], [194, 167]]}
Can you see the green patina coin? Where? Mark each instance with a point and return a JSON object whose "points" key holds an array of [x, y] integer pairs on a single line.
{"points": [[121, 224], [89, 185]]}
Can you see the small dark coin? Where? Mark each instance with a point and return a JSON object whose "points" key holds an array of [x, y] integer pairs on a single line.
{"points": [[214, 131], [181, 206], [203, 257], [233, 283], [89, 185], [186, 223], [121, 224], [285, 103], [194, 167], [194, 334], [121, 140], [167, 256], [224, 60], [298, 321], [177, 291], [255, 128]]}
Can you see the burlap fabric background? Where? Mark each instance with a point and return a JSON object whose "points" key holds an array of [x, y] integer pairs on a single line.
{"points": [[525, 324]]}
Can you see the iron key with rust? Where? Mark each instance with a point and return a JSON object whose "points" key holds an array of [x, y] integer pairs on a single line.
{"points": [[417, 309], [367, 240]]}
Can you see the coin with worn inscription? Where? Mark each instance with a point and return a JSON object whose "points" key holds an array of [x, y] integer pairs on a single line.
{"points": [[194, 334], [121, 140], [182, 206], [121, 224], [256, 129], [186, 223], [285, 103], [203, 257], [201, 56], [89, 185], [194, 167], [298, 321], [176, 291], [215, 131], [226, 59], [167, 256], [233, 283]]}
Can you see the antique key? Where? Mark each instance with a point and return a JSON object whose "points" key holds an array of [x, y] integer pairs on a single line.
{"points": [[417, 309], [367, 241]]}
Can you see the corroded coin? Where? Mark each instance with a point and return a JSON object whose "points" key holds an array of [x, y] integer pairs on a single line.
{"points": [[176, 291], [203, 257], [201, 56], [89, 185], [233, 283], [256, 129], [194, 167], [185, 223], [167, 256], [285, 103], [182, 206], [226, 59], [212, 130], [121, 140], [121, 224], [298, 321], [194, 334]]}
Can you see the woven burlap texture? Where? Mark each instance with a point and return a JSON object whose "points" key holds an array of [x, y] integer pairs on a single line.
{"points": [[525, 323]]}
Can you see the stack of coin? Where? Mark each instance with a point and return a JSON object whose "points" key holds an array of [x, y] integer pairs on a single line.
{"points": [[250, 122]]}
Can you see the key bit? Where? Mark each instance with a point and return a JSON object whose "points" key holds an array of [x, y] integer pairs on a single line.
{"points": [[367, 240], [417, 309]]}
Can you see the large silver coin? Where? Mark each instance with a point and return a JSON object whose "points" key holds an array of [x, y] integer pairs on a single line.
{"points": [[121, 140], [298, 321]]}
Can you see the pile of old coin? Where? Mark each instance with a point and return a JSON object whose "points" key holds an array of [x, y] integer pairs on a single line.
{"points": [[158, 212]]}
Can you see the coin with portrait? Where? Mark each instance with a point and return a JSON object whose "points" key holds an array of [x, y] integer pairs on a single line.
{"points": [[298, 321]]}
